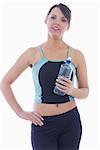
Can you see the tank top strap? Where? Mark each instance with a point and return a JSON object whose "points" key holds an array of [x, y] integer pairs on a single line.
{"points": [[68, 52], [41, 50]]}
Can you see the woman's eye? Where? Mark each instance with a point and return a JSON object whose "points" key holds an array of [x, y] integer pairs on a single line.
{"points": [[63, 20], [53, 17]]}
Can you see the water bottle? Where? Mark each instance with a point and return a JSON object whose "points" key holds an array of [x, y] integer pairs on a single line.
{"points": [[65, 71]]}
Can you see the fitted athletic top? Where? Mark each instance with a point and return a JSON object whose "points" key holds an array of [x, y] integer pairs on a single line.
{"points": [[44, 74]]}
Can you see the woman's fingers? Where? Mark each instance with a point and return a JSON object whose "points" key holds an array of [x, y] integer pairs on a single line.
{"points": [[38, 115], [64, 84], [65, 79], [63, 87], [37, 119], [34, 117]]}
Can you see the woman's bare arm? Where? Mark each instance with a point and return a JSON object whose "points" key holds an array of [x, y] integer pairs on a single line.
{"points": [[20, 65], [82, 90], [17, 69]]}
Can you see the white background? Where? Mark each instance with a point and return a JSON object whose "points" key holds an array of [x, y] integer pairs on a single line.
{"points": [[22, 26]]}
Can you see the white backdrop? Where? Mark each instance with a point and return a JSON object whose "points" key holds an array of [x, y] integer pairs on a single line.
{"points": [[22, 26]]}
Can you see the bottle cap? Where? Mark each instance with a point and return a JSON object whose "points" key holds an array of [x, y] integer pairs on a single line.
{"points": [[68, 61]]}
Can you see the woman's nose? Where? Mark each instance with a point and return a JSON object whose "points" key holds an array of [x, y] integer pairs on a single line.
{"points": [[57, 21]]}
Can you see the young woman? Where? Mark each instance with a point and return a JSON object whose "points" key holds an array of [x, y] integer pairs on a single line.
{"points": [[56, 123]]}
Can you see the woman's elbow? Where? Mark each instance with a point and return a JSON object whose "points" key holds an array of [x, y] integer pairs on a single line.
{"points": [[86, 92], [3, 84]]}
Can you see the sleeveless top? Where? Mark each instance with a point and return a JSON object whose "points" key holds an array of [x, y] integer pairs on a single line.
{"points": [[44, 74]]}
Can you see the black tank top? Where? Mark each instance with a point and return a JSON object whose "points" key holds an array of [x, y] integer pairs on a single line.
{"points": [[44, 76]]}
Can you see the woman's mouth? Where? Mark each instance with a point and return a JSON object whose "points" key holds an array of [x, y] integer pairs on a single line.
{"points": [[55, 29]]}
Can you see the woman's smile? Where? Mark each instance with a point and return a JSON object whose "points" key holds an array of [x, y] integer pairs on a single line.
{"points": [[55, 29]]}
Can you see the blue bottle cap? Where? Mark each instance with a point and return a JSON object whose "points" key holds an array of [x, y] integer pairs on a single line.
{"points": [[68, 61]]}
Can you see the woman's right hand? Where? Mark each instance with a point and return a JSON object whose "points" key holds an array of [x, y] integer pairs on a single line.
{"points": [[34, 117]]}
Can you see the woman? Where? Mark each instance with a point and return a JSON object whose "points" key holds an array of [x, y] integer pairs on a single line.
{"points": [[55, 120]]}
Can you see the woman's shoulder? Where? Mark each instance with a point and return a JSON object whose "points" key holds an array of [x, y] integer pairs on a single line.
{"points": [[77, 55], [33, 54], [32, 50], [75, 51]]}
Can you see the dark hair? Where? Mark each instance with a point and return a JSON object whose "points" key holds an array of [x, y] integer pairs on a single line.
{"points": [[64, 9]]}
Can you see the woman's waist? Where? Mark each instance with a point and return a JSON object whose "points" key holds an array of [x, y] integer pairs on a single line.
{"points": [[45, 109]]}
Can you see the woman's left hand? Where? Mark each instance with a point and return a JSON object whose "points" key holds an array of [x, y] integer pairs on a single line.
{"points": [[65, 85]]}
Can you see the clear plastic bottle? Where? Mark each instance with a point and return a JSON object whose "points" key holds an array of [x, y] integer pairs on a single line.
{"points": [[66, 71]]}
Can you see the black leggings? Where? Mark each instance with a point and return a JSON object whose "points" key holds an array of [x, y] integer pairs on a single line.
{"points": [[59, 132]]}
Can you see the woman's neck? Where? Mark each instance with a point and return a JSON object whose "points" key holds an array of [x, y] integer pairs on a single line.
{"points": [[55, 43]]}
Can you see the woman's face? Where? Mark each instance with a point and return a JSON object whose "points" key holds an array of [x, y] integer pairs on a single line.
{"points": [[57, 23]]}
